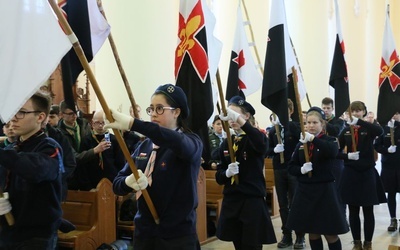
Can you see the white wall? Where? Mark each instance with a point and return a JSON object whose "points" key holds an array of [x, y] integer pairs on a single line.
{"points": [[145, 34]]}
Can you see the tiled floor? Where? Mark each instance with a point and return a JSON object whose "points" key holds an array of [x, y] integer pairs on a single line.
{"points": [[381, 240]]}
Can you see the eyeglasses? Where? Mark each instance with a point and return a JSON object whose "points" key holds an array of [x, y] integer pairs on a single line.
{"points": [[70, 113], [99, 123], [159, 109], [21, 114]]}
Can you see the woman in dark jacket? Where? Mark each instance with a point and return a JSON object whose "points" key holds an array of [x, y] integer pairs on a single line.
{"points": [[390, 158], [360, 185], [244, 215], [170, 159], [316, 208]]}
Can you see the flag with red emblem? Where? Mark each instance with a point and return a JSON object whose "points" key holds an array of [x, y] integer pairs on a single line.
{"points": [[389, 77], [338, 78], [244, 77], [196, 61]]}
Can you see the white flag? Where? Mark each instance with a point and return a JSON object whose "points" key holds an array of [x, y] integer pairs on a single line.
{"points": [[99, 27], [31, 46], [244, 75]]}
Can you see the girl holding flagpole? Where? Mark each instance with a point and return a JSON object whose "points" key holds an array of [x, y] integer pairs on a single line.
{"points": [[244, 217], [387, 145], [168, 161], [360, 185], [316, 208]]}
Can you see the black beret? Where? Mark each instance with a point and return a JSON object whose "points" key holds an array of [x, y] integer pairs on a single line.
{"points": [[177, 95], [318, 110], [240, 101]]}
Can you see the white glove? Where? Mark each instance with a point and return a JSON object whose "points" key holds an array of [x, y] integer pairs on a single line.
{"points": [[354, 156], [391, 123], [122, 121], [392, 149], [353, 121], [279, 148], [140, 184], [233, 169], [307, 138], [5, 205], [231, 115], [275, 121], [307, 167]]}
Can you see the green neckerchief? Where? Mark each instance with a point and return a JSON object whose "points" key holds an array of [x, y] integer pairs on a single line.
{"points": [[329, 119], [75, 131]]}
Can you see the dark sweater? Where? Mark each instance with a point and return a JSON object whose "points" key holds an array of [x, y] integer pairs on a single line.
{"points": [[174, 187], [389, 160], [34, 187]]}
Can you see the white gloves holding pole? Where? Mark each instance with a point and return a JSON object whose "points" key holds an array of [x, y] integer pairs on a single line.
{"points": [[391, 123], [353, 121], [140, 184], [5, 205], [233, 169], [230, 115], [122, 121], [306, 138], [279, 148], [275, 120], [307, 167], [392, 149], [354, 156]]}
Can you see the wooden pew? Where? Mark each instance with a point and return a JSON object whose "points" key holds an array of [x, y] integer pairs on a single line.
{"points": [[270, 183], [214, 194], [93, 214], [201, 210], [124, 226], [201, 207]]}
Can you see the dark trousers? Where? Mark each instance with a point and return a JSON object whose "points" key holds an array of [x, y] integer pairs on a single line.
{"points": [[285, 185]]}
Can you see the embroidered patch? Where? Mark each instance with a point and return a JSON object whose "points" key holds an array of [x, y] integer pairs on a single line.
{"points": [[142, 156], [170, 89]]}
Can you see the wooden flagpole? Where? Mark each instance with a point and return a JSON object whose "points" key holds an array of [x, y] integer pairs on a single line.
{"points": [[296, 90], [277, 128], [9, 216], [353, 140], [392, 137], [119, 64], [298, 63], [226, 125], [82, 58], [279, 138]]}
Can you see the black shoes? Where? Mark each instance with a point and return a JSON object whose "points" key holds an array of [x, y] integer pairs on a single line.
{"points": [[300, 243], [286, 241], [393, 225]]}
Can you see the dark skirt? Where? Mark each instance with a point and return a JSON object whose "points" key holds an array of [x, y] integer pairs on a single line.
{"points": [[316, 209], [361, 188], [391, 180], [247, 220]]}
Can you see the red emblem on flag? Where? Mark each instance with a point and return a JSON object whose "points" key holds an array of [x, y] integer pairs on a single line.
{"points": [[189, 44], [387, 71]]}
